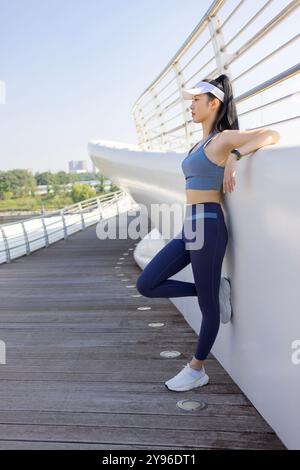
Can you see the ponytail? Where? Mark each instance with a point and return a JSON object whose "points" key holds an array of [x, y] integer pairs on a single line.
{"points": [[227, 117]]}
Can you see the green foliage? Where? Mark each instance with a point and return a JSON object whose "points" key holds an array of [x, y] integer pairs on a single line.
{"points": [[81, 192], [19, 182], [7, 195], [18, 189]]}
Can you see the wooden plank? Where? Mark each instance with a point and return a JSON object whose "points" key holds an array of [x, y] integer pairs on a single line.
{"points": [[133, 435], [84, 368], [177, 419], [46, 445]]}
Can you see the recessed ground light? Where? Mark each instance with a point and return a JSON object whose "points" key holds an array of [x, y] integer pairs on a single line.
{"points": [[136, 295], [117, 267], [156, 324], [130, 286], [121, 258], [144, 308], [123, 280], [125, 254], [119, 262], [190, 405], [130, 249], [170, 353]]}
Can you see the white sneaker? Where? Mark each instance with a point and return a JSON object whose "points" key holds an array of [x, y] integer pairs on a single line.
{"points": [[184, 381], [225, 301]]}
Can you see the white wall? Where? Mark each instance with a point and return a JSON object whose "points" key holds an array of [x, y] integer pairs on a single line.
{"points": [[262, 260]]}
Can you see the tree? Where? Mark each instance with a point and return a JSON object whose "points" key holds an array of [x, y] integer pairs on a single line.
{"points": [[82, 191], [19, 182]]}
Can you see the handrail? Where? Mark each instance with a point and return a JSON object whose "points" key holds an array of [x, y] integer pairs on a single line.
{"points": [[24, 237], [161, 116], [75, 206]]}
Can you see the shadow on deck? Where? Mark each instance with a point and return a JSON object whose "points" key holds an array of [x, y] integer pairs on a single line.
{"points": [[83, 368]]}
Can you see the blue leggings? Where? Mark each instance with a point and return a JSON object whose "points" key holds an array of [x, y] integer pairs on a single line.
{"points": [[202, 242]]}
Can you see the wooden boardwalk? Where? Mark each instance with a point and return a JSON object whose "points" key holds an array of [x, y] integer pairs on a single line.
{"points": [[83, 368]]}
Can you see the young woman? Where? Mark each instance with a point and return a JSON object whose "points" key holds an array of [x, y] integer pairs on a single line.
{"points": [[206, 172]]}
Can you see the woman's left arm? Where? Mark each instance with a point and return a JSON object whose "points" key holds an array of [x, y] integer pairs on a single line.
{"points": [[249, 141], [245, 142]]}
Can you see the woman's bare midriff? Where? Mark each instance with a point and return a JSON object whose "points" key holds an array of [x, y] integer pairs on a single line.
{"points": [[195, 196]]}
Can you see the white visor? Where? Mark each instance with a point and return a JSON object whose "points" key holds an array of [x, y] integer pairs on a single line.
{"points": [[202, 87]]}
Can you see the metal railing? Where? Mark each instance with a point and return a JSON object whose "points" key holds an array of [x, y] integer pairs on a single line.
{"points": [[23, 237], [162, 118]]}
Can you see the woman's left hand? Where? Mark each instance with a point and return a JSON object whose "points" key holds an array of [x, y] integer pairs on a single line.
{"points": [[229, 174]]}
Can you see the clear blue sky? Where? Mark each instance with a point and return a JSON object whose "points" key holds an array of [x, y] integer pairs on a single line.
{"points": [[73, 69]]}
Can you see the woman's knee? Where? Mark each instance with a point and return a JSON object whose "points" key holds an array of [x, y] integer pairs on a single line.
{"points": [[144, 286]]}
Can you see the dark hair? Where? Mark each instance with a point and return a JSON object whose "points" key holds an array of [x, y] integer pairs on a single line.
{"points": [[227, 117]]}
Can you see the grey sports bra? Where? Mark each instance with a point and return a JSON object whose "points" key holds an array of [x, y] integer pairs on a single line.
{"points": [[199, 171]]}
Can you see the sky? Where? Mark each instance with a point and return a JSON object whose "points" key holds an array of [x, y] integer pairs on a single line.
{"points": [[73, 69]]}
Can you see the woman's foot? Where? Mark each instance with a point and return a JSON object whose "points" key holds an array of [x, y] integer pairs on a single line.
{"points": [[225, 300], [187, 379]]}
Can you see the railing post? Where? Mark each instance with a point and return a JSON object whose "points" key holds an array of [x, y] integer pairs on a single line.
{"points": [[144, 131], [64, 224], [139, 133], [81, 215], [185, 114], [218, 42], [99, 207], [45, 231], [6, 246], [159, 117], [116, 204], [26, 239]]}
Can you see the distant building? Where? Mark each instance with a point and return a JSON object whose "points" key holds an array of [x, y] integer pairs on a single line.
{"points": [[94, 183], [78, 166], [42, 189], [107, 185], [91, 183]]}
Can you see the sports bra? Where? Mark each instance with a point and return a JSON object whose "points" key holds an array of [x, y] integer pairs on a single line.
{"points": [[199, 171]]}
